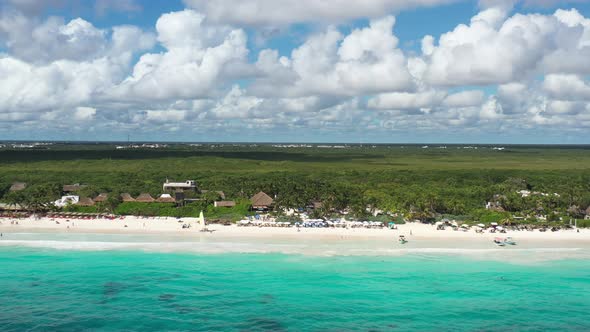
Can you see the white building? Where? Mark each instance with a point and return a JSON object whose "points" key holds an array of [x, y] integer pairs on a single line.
{"points": [[66, 200], [173, 186]]}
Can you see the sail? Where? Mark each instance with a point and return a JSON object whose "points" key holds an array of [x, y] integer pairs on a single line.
{"points": [[202, 219]]}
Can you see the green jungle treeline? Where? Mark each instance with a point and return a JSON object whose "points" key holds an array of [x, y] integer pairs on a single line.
{"points": [[416, 182]]}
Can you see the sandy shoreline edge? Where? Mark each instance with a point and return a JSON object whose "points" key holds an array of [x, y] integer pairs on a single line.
{"points": [[173, 226]]}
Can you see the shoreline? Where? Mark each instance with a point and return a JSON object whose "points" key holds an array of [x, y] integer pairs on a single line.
{"points": [[165, 235], [173, 226]]}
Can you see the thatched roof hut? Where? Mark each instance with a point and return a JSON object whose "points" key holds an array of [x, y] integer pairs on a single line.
{"points": [[261, 201], [574, 210], [68, 188], [224, 204], [125, 197], [317, 205], [145, 198], [85, 201], [101, 198], [18, 186], [166, 198], [11, 207]]}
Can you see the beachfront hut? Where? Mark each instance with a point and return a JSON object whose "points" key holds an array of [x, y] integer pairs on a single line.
{"points": [[587, 213], [166, 198], [18, 186], [101, 198], [85, 201], [227, 204], [145, 198], [261, 201], [125, 197]]}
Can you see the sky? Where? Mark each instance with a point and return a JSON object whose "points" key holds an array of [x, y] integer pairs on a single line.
{"points": [[367, 71]]}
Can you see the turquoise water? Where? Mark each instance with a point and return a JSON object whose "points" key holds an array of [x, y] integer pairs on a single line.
{"points": [[66, 290]]}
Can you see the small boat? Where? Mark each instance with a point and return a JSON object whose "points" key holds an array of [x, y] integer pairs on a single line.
{"points": [[509, 241], [402, 239], [499, 242]]}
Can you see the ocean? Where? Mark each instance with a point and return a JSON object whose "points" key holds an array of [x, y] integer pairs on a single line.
{"points": [[101, 288]]}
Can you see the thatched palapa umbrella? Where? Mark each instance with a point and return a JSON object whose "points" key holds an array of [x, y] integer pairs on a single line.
{"points": [[145, 198], [125, 197]]}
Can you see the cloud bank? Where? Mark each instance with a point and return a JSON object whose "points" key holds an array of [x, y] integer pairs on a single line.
{"points": [[196, 72]]}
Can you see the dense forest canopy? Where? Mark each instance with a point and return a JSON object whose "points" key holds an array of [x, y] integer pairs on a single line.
{"points": [[406, 179]]}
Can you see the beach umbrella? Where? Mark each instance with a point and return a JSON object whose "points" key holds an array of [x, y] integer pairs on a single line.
{"points": [[481, 225], [465, 226], [454, 223], [494, 224], [500, 228]]}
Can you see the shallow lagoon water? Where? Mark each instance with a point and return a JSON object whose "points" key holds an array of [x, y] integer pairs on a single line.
{"points": [[106, 286]]}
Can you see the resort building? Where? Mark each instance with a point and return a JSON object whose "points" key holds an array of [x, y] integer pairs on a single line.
{"points": [[261, 202], [220, 193], [18, 186], [180, 186], [72, 188], [496, 203], [224, 204], [66, 200]]}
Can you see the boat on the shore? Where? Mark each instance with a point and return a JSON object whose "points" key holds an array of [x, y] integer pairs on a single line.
{"points": [[499, 242], [504, 241], [510, 241]]}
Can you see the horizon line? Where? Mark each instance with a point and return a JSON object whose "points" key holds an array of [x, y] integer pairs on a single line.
{"points": [[8, 141]]}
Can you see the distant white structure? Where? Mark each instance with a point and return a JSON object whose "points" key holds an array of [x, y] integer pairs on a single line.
{"points": [[141, 146], [527, 193], [524, 193], [187, 185], [66, 200]]}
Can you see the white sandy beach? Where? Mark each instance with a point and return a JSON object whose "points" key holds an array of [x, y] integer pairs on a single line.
{"points": [[163, 225], [167, 235]]}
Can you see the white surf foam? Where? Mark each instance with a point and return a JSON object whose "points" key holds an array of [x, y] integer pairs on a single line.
{"points": [[505, 254]]}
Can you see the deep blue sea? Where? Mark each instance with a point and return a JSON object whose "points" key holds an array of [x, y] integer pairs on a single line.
{"points": [[44, 289]]}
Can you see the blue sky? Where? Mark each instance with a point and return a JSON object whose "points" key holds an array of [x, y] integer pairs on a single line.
{"points": [[371, 71]]}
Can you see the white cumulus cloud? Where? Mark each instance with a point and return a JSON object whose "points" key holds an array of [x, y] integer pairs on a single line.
{"points": [[273, 12]]}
